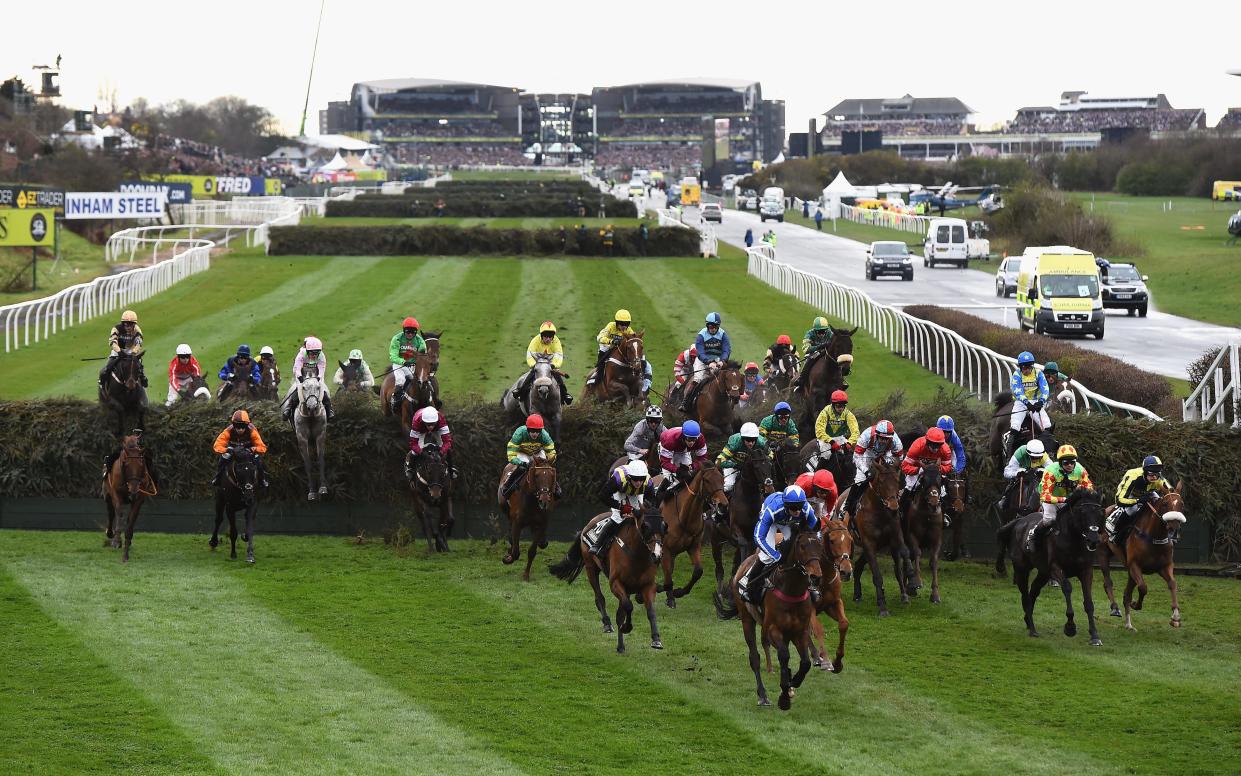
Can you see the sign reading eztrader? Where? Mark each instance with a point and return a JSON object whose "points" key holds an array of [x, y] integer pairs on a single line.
{"points": [[114, 204], [26, 227]]}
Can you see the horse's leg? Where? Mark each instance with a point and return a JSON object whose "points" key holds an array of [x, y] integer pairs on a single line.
{"points": [[321, 447], [232, 530], [624, 614], [695, 557], [1021, 577], [1040, 580], [857, 574], [530, 553], [592, 572], [1105, 558], [447, 521], [1135, 572], [1070, 625], [1087, 584], [251, 518], [959, 552], [819, 643], [913, 582], [303, 446], [717, 555], [803, 652], [842, 625], [876, 577], [668, 561], [767, 649], [756, 664], [428, 528], [515, 522], [935, 549], [219, 518], [648, 598], [111, 532], [900, 564], [1129, 585], [134, 508], [785, 701], [1169, 576]]}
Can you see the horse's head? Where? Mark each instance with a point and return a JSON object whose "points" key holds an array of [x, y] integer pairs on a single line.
{"points": [[885, 483], [839, 547], [652, 528], [133, 465], [310, 395], [540, 482], [806, 555], [630, 350], [732, 384], [1170, 508], [786, 364], [841, 348], [431, 472], [349, 373], [931, 481], [432, 338], [1081, 516], [544, 383], [956, 495], [243, 471], [758, 470], [788, 459], [710, 482], [128, 370]]}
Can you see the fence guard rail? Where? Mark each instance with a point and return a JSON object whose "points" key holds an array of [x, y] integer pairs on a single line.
{"points": [[979, 370], [1209, 401]]}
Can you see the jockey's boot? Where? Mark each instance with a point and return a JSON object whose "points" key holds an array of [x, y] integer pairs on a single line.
{"points": [[855, 495], [327, 405], [1005, 499], [751, 583], [690, 392], [907, 496], [1032, 536], [599, 362], [600, 537]]}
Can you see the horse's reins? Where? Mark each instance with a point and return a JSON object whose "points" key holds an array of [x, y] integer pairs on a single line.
{"points": [[1172, 537], [146, 473]]}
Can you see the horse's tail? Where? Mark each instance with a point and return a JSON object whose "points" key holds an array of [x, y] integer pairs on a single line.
{"points": [[571, 565]]}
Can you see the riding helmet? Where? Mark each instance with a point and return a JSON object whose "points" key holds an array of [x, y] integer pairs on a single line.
{"points": [[749, 431], [313, 343], [535, 421], [1035, 449], [241, 416], [945, 422], [884, 429], [430, 415], [713, 318], [355, 355], [637, 469], [129, 316], [654, 413], [691, 429], [1051, 368], [784, 339], [1025, 358], [935, 435], [410, 323], [840, 397], [824, 480], [267, 351], [184, 350], [783, 407], [243, 350], [622, 316], [1152, 465], [547, 327], [821, 323], [794, 495], [751, 366], [1066, 451]]}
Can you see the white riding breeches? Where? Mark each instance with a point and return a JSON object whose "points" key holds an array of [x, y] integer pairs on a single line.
{"points": [[174, 395], [400, 374], [863, 463], [911, 480], [633, 500], [772, 539], [526, 459], [1019, 417], [730, 478], [1049, 513], [679, 459]]}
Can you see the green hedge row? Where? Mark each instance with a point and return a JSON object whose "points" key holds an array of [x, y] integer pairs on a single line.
{"points": [[475, 241], [476, 205], [1103, 374]]}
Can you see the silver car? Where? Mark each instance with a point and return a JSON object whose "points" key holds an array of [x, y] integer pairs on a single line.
{"points": [[1006, 276], [711, 211]]}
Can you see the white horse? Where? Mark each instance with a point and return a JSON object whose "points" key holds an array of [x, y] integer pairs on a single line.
{"points": [[543, 397], [310, 423]]}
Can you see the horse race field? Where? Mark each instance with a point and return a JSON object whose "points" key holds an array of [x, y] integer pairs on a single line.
{"points": [[330, 656], [489, 308]]}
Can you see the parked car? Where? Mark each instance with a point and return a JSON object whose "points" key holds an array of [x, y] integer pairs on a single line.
{"points": [[889, 257], [1124, 288], [711, 211], [1006, 276], [747, 200]]}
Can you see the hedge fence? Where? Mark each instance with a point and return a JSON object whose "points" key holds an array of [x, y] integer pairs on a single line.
{"points": [[476, 241], [470, 204], [54, 449], [1103, 374]]}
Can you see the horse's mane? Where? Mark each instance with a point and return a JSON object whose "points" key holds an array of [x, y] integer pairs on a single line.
{"points": [[432, 335], [1000, 399], [730, 364], [1081, 494]]}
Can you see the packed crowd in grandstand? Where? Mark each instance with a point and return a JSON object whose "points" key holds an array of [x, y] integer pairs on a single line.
{"points": [[902, 126], [1096, 120], [454, 154]]}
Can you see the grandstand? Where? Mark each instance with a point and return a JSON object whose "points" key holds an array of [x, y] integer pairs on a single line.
{"points": [[906, 115], [1115, 118], [558, 126]]}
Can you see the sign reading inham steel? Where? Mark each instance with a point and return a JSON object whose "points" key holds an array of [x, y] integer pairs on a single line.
{"points": [[114, 204]]}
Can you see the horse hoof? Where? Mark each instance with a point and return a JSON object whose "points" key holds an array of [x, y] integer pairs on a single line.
{"points": [[884, 613], [1131, 628], [857, 598], [508, 559], [657, 644], [232, 555], [1136, 606], [762, 701], [1096, 642], [322, 490], [935, 598], [249, 559], [213, 544], [607, 627], [1033, 634], [785, 702], [672, 602], [1115, 611], [838, 666], [312, 496], [620, 650], [1175, 623], [1070, 630]]}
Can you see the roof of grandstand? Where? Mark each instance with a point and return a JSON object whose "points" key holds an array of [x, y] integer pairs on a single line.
{"points": [[907, 105], [403, 84], [710, 83]]}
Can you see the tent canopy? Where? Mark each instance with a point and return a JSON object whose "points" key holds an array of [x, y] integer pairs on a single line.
{"points": [[840, 187], [337, 163]]}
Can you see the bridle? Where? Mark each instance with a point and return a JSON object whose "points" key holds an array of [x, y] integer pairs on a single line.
{"points": [[717, 505], [431, 461], [1173, 535], [131, 456], [542, 493], [1089, 533], [835, 526]]}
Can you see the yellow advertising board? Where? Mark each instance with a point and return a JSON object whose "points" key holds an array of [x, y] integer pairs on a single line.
{"points": [[27, 227]]}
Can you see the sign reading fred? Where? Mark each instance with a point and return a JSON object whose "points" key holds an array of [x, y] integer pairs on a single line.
{"points": [[26, 228], [115, 204]]}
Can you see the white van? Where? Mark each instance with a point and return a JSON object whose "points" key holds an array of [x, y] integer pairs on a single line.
{"points": [[772, 204], [946, 243]]}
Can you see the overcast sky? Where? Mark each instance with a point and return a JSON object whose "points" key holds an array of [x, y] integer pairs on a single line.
{"points": [[996, 56]]}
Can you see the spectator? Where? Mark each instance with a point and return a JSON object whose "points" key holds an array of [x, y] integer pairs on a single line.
{"points": [[818, 218]]}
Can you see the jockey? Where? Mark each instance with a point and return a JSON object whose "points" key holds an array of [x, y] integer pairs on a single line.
{"points": [[781, 511], [779, 426], [946, 423], [625, 492], [428, 429], [738, 450], [815, 341], [267, 361], [684, 366], [1031, 458], [609, 337], [752, 380], [713, 348], [181, 373], [1030, 392], [362, 370], [309, 357], [824, 489], [1057, 382], [647, 374], [126, 337], [782, 346], [529, 442], [1058, 479], [645, 434], [240, 432], [836, 429], [241, 364], [545, 343], [880, 440], [929, 448], [1139, 488], [682, 451], [403, 349]]}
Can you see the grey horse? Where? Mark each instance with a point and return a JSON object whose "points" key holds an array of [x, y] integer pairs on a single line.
{"points": [[310, 423], [544, 397]]}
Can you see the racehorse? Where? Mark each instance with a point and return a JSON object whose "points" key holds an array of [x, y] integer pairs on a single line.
{"points": [[1070, 547], [826, 374], [630, 567], [786, 612], [128, 482], [837, 552], [754, 483], [420, 390], [352, 378], [924, 529], [839, 461], [684, 524], [877, 526], [237, 493], [431, 486], [238, 387], [123, 393], [651, 459], [530, 505], [1003, 442], [269, 382], [786, 458], [544, 397], [310, 424], [622, 373], [1146, 550], [783, 372], [194, 389], [957, 497], [715, 406], [1024, 498]]}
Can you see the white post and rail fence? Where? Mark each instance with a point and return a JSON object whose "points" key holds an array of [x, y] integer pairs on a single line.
{"points": [[1217, 399]]}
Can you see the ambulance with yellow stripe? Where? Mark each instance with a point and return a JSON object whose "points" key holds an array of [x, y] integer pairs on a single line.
{"points": [[1058, 292]]}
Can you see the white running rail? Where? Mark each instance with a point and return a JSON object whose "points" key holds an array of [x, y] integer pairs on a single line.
{"points": [[174, 252], [979, 370], [1218, 396]]}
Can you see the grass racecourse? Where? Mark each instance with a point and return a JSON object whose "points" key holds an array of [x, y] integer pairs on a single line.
{"points": [[335, 657]]}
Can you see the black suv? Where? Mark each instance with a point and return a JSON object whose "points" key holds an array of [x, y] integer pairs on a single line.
{"points": [[889, 257], [1123, 288]]}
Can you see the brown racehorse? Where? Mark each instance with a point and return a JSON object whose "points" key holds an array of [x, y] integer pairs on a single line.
{"points": [[683, 518], [715, 406], [1146, 550], [269, 383], [129, 482], [788, 464], [957, 488], [786, 612], [825, 375], [431, 486], [837, 554], [754, 482], [622, 373], [530, 506], [924, 530], [651, 459], [877, 526], [420, 390], [630, 567]]}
